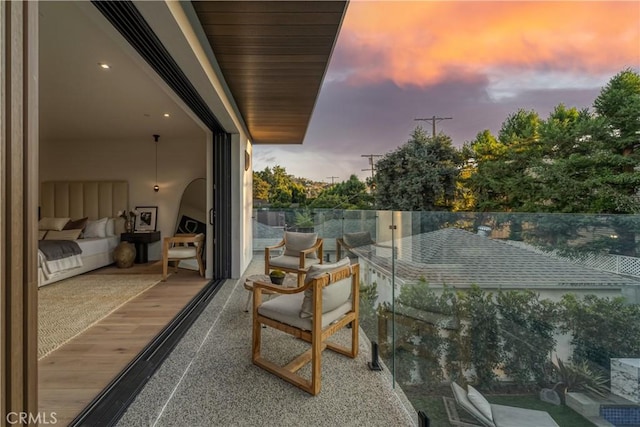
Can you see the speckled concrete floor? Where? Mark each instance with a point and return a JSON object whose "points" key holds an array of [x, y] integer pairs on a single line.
{"points": [[209, 379]]}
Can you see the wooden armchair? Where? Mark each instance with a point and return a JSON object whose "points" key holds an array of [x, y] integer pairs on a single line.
{"points": [[300, 251], [327, 302], [181, 247]]}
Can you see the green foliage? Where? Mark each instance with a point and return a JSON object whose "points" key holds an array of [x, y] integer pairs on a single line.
{"points": [[579, 377], [572, 162], [504, 178], [303, 219], [350, 194], [282, 189], [527, 327], [260, 187], [419, 176], [602, 328], [483, 332], [419, 344], [368, 310]]}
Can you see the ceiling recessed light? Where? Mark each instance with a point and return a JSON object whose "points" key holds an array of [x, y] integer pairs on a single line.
{"points": [[104, 66], [167, 115]]}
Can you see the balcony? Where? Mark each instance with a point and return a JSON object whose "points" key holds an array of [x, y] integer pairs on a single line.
{"points": [[517, 305]]}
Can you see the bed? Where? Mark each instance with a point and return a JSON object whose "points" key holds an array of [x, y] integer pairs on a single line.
{"points": [[97, 201]]}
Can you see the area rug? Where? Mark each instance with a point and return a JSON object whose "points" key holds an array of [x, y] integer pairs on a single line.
{"points": [[69, 307]]}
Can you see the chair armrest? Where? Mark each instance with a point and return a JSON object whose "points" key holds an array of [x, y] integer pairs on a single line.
{"points": [[278, 289], [267, 255], [182, 238], [279, 245]]}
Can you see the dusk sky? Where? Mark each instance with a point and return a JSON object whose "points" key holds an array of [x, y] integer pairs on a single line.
{"points": [[476, 62]]}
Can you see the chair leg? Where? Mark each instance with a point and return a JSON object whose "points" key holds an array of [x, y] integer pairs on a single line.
{"points": [[316, 365], [165, 266], [246, 306], [256, 342], [201, 266]]}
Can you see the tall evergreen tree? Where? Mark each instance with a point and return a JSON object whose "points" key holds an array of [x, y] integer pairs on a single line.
{"points": [[420, 175]]}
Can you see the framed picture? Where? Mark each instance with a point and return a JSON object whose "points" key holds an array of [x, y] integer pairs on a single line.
{"points": [[147, 218]]}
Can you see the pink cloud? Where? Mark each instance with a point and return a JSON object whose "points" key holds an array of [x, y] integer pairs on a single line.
{"points": [[424, 43]]}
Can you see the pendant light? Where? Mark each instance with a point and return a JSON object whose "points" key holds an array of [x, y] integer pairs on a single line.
{"points": [[156, 188]]}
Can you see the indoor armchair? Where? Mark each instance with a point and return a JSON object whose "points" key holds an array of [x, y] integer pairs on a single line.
{"points": [[327, 302], [299, 252], [182, 247]]}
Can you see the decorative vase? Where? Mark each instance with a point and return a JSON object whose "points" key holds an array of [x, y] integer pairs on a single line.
{"points": [[124, 254], [128, 226]]}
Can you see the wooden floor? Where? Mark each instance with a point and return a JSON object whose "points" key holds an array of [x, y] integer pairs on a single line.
{"points": [[71, 376]]}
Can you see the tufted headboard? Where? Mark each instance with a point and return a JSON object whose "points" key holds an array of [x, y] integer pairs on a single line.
{"points": [[77, 199]]}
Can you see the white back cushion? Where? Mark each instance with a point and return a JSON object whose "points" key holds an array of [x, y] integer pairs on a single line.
{"points": [[479, 401], [333, 295], [295, 242]]}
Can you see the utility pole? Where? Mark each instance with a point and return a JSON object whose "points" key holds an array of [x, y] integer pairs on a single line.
{"points": [[372, 165], [433, 121], [332, 178]]}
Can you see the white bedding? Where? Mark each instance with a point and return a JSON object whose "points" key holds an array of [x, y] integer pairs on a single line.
{"points": [[96, 253]]}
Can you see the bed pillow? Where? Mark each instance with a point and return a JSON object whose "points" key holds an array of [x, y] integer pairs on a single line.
{"points": [[480, 402], [52, 223], [63, 234], [111, 227], [41, 234], [333, 296], [76, 224], [97, 228]]}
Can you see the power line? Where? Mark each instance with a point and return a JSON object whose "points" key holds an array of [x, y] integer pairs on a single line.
{"points": [[332, 178], [372, 165], [433, 121]]}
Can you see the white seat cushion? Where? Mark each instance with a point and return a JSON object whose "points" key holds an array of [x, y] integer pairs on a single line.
{"points": [[291, 262], [510, 416], [286, 309], [182, 252]]}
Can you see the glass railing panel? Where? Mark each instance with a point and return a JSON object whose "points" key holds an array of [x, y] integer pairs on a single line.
{"points": [[516, 305], [513, 304]]}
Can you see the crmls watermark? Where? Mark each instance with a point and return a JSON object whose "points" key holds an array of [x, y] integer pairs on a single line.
{"points": [[26, 418]]}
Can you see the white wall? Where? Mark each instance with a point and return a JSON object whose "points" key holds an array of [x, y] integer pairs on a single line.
{"points": [[179, 163]]}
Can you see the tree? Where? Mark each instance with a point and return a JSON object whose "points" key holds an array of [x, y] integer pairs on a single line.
{"points": [[350, 194], [504, 178], [283, 189], [527, 325], [419, 176], [601, 328], [260, 187]]}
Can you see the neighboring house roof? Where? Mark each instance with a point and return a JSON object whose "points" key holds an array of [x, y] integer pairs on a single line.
{"points": [[273, 55], [460, 258]]}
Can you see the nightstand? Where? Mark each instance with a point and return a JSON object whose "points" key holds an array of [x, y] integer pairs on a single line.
{"points": [[141, 240]]}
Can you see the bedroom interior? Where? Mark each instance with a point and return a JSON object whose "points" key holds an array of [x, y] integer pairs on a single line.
{"points": [[98, 155]]}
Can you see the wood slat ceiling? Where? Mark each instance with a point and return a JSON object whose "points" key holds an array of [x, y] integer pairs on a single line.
{"points": [[273, 55]]}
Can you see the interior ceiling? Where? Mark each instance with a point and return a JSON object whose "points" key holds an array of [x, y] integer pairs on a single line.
{"points": [[80, 101], [273, 55]]}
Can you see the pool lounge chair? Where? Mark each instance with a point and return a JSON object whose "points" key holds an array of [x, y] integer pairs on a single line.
{"points": [[490, 415]]}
